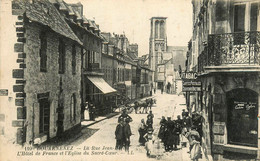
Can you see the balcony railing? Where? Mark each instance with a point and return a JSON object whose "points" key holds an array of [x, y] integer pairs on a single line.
{"points": [[231, 48]]}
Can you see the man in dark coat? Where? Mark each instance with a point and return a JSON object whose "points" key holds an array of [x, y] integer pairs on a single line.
{"points": [[150, 114], [125, 116], [161, 134], [169, 138], [149, 121], [136, 106], [187, 122], [177, 131], [127, 134], [119, 135]]}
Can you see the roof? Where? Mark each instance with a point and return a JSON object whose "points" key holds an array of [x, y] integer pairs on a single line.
{"points": [[85, 20], [129, 60], [45, 13]]}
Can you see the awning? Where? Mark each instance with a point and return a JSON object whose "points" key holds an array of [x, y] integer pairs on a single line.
{"points": [[101, 84]]}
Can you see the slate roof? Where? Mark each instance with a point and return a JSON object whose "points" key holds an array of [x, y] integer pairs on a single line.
{"points": [[45, 13]]}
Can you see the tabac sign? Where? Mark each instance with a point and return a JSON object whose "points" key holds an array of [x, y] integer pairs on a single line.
{"points": [[189, 75], [190, 82]]}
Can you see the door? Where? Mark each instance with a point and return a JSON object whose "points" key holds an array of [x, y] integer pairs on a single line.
{"points": [[44, 116], [242, 113]]}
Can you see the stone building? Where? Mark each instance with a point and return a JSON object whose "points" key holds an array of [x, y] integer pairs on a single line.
{"points": [[95, 89], [224, 50], [157, 42], [118, 55], [160, 52], [42, 73]]}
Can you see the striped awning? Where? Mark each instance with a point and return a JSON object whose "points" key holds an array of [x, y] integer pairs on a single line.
{"points": [[101, 84]]}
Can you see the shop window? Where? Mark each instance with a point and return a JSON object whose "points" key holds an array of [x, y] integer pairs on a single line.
{"points": [[73, 63], [242, 117], [61, 57], [43, 52]]}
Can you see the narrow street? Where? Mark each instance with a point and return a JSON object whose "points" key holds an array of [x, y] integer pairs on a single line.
{"points": [[168, 105]]}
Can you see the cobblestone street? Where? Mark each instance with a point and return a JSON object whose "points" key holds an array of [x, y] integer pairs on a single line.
{"points": [[104, 137]]}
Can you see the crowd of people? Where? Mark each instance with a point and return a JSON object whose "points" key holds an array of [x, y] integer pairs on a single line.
{"points": [[171, 132]]}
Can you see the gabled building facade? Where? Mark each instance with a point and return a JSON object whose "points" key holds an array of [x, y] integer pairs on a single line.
{"points": [[42, 77]]}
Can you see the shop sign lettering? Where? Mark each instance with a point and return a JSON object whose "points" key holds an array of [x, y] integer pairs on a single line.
{"points": [[189, 75], [244, 105]]}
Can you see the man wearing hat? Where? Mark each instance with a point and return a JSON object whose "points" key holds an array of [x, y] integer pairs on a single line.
{"points": [[119, 134], [127, 134], [125, 116]]}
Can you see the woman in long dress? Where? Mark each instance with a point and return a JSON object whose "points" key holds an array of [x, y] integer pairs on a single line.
{"points": [[142, 130]]}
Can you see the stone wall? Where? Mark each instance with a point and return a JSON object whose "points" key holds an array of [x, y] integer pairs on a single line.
{"points": [[43, 82]]}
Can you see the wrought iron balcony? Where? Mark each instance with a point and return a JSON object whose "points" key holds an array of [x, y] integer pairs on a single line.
{"points": [[231, 49]]}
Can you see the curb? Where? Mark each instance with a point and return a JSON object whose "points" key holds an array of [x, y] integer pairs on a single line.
{"points": [[108, 117]]}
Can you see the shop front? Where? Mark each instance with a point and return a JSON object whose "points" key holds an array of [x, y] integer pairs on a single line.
{"points": [[242, 113], [100, 97], [230, 105]]}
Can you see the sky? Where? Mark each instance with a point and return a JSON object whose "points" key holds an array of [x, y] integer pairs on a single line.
{"points": [[132, 17]]}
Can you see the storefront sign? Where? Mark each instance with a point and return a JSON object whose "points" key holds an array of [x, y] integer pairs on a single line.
{"points": [[191, 89], [3, 92], [189, 75], [191, 85], [244, 105]]}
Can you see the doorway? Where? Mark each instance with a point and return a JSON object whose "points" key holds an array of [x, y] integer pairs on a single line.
{"points": [[44, 125], [242, 117]]}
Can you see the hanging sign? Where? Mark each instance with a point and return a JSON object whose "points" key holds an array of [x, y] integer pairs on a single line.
{"points": [[189, 75], [190, 82]]}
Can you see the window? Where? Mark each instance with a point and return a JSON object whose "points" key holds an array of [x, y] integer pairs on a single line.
{"points": [[162, 29], [239, 19], [245, 19], [73, 59], [73, 107], [93, 57], [44, 116], [88, 59], [43, 52], [157, 29], [61, 57]]}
